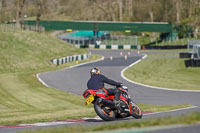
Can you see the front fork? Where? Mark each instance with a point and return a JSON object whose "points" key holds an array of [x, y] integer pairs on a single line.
{"points": [[130, 106]]}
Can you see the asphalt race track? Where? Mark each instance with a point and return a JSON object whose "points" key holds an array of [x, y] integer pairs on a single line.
{"points": [[74, 80]]}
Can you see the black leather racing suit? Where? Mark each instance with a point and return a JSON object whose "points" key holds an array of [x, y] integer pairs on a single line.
{"points": [[97, 81]]}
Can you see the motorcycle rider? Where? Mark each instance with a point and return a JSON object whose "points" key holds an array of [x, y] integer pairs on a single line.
{"points": [[97, 80]]}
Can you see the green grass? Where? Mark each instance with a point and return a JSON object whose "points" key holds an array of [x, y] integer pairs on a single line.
{"points": [[23, 99], [165, 70], [159, 108], [134, 124], [182, 41], [29, 51]]}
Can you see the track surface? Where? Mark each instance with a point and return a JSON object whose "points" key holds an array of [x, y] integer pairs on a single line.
{"points": [[74, 80]]}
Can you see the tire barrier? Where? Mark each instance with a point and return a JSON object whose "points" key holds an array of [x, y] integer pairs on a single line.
{"points": [[185, 55], [165, 47], [113, 47], [139, 47], [67, 59], [192, 63]]}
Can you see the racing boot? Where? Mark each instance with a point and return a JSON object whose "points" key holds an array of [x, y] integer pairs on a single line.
{"points": [[117, 104]]}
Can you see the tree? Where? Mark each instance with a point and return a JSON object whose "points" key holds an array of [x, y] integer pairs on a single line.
{"points": [[150, 4], [171, 11], [150, 9], [197, 17], [189, 8], [130, 8], [42, 8], [165, 11], [20, 15], [177, 5], [120, 10], [193, 18], [1, 3], [39, 10]]}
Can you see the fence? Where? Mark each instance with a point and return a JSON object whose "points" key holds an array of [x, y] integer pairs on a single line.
{"points": [[14, 28], [104, 40], [120, 40]]}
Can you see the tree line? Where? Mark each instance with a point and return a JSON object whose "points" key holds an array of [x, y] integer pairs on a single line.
{"points": [[171, 11]]}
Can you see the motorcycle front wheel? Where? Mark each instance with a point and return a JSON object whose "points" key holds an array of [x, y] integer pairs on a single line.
{"points": [[104, 112], [136, 111]]}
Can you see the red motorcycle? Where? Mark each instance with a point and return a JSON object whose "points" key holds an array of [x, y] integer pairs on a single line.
{"points": [[105, 107]]}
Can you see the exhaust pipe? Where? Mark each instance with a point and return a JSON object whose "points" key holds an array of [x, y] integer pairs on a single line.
{"points": [[106, 102]]}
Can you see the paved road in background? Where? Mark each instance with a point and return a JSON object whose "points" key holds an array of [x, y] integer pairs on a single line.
{"points": [[74, 80]]}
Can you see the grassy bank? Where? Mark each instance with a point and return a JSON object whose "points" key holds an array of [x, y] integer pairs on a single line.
{"points": [[124, 126], [165, 70], [29, 51], [23, 99]]}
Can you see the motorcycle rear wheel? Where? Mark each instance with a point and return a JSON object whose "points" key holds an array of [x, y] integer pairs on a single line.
{"points": [[105, 113]]}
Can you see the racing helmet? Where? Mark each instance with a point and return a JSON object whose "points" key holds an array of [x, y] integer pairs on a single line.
{"points": [[95, 70]]}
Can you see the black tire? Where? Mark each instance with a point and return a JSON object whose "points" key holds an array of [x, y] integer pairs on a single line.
{"points": [[107, 115], [136, 111]]}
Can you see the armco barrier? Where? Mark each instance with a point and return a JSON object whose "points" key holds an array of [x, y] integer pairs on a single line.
{"points": [[113, 47], [63, 60]]}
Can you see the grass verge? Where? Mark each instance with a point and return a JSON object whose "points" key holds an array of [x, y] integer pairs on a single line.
{"points": [[23, 99], [134, 124], [165, 70]]}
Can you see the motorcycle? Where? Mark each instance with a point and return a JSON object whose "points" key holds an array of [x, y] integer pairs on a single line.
{"points": [[105, 107]]}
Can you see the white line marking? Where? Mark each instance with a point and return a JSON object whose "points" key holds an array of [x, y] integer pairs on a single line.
{"points": [[96, 118], [172, 110], [153, 87], [45, 84], [46, 124], [84, 63], [37, 75]]}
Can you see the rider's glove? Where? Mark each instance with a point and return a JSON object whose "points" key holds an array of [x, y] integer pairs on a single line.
{"points": [[120, 85]]}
